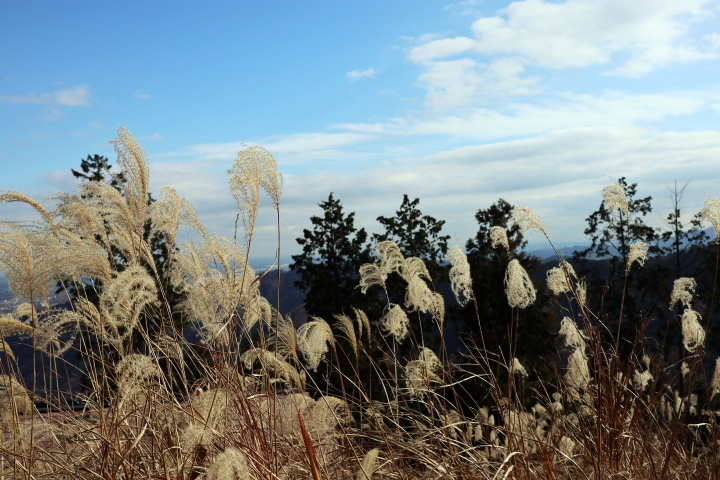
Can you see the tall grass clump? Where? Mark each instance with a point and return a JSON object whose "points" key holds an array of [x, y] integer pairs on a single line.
{"points": [[248, 395]]}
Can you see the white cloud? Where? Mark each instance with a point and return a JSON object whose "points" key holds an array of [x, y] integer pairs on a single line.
{"points": [[142, 95], [442, 48], [154, 136], [54, 115], [559, 175], [630, 38], [74, 97], [580, 33], [291, 149], [463, 82], [358, 74], [560, 112]]}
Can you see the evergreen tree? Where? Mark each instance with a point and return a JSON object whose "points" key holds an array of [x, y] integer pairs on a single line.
{"points": [[416, 235], [622, 296], [534, 345], [333, 252]]}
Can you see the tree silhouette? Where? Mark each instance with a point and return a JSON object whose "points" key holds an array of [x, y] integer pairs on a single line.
{"points": [[333, 252]]}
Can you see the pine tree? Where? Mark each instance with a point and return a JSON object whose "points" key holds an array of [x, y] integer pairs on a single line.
{"points": [[622, 295], [535, 345], [333, 252]]}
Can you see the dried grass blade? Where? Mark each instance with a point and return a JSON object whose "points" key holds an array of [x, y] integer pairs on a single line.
{"points": [[314, 467]]}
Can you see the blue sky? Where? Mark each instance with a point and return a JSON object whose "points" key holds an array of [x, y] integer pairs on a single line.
{"points": [[458, 104]]}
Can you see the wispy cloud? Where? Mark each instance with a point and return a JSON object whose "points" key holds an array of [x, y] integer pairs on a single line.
{"points": [[294, 149], [142, 95], [74, 97], [54, 115], [358, 74]]}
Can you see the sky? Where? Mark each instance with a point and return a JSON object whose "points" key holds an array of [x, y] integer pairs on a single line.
{"points": [[539, 102]]}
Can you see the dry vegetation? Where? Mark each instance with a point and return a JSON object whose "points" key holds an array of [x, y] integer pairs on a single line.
{"points": [[246, 413]]}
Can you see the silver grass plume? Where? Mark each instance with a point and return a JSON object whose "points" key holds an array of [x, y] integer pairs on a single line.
{"points": [[421, 372], [172, 211], [254, 169], [328, 413], [14, 398], [284, 337], [518, 286], [573, 336], [27, 266], [133, 163], [711, 213], [692, 331], [683, 290], [559, 278], [313, 338], [528, 221], [418, 295], [272, 362], [614, 197], [363, 323], [715, 383], [389, 259], [12, 196], [498, 237], [578, 372], [347, 331], [216, 281], [126, 297], [460, 279], [641, 379], [517, 368], [638, 253], [229, 465], [395, 322], [135, 372], [368, 464]]}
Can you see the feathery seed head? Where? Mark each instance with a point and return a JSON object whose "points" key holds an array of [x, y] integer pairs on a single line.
{"points": [[528, 221], [127, 296], [614, 197], [558, 278], [419, 373], [641, 379], [134, 373], [390, 259], [371, 274], [498, 237], [347, 329], [638, 253], [229, 465], [518, 368], [574, 337], [254, 169], [578, 371], [313, 339], [518, 286], [133, 163], [271, 361], [711, 213], [460, 279], [368, 464], [395, 322], [715, 383], [692, 331], [683, 290]]}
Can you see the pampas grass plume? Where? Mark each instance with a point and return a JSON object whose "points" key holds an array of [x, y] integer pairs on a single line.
{"points": [[518, 286], [692, 332]]}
